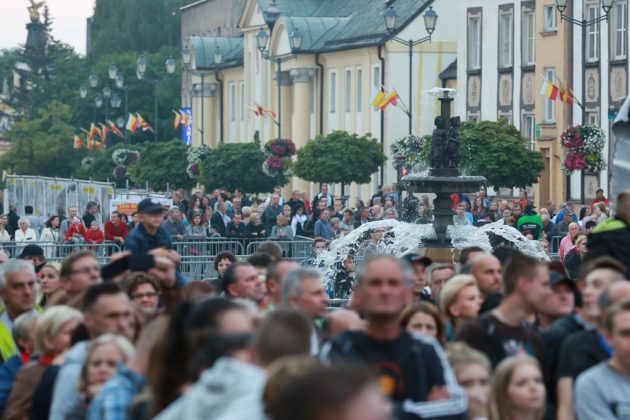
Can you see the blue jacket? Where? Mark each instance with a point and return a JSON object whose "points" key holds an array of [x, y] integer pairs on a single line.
{"points": [[8, 370], [140, 242]]}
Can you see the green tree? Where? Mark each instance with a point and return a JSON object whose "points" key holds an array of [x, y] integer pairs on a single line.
{"points": [[237, 165], [43, 145], [339, 157], [162, 166], [497, 151]]}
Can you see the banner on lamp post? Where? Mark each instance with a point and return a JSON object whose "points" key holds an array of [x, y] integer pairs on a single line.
{"points": [[187, 130]]}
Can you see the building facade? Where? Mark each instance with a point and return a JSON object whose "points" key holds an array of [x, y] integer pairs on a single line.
{"points": [[345, 57], [533, 43]]}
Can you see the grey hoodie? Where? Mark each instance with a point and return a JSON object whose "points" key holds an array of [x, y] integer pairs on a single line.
{"points": [[229, 390]]}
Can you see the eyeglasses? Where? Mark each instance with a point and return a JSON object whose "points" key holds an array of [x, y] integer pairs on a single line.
{"points": [[87, 270], [138, 296]]}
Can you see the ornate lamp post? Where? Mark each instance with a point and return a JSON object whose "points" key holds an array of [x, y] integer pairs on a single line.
{"points": [[141, 69], [295, 41], [430, 19]]}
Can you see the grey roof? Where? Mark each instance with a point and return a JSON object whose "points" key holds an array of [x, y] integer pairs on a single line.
{"points": [[332, 25], [204, 48], [449, 73]]}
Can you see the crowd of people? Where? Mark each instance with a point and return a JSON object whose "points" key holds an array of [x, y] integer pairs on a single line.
{"points": [[489, 336]]}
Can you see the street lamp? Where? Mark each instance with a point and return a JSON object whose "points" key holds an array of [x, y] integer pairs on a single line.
{"points": [[98, 101], [584, 24], [112, 70], [391, 19], [93, 80], [83, 91], [295, 42], [141, 69], [116, 101], [217, 60]]}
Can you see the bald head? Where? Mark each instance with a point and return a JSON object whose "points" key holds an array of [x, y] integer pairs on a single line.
{"points": [[619, 291], [487, 272], [342, 320]]}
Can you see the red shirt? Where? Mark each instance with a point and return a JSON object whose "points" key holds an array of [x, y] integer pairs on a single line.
{"points": [[94, 236], [78, 228], [112, 230]]}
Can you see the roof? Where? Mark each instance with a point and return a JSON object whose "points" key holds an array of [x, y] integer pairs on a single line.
{"points": [[449, 73], [205, 47], [332, 25]]}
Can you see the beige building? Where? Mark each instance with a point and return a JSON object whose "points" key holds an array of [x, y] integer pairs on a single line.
{"points": [[327, 83], [530, 42]]}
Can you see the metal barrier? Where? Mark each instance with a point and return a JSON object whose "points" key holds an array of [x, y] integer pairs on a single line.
{"points": [[57, 252], [197, 256], [295, 249]]}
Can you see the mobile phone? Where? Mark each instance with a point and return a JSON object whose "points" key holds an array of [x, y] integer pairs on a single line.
{"points": [[130, 262]]}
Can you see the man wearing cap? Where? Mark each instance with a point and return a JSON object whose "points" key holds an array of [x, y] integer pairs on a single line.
{"points": [[149, 234], [419, 265], [34, 254], [174, 224], [562, 226]]}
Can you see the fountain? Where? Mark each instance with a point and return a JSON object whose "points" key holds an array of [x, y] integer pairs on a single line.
{"points": [[444, 178]]}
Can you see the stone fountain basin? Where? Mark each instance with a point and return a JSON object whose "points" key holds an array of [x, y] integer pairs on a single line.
{"points": [[442, 184]]}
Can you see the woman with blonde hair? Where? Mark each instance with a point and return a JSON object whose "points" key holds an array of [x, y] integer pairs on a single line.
{"points": [[101, 363], [460, 299], [518, 390], [53, 331], [50, 282], [472, 371]]}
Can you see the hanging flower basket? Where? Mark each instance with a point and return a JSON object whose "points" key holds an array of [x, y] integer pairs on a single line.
{"points": [[87, 163], [279, 153], [584, 147], [120, 172], [125, 157], [193, 170]]}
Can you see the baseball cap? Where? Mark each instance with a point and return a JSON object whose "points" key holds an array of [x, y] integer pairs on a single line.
{"points": [[417, 259], [556, 278], [32, 250], [150, 205], [569, 212]]}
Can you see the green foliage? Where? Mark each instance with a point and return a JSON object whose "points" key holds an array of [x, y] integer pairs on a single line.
{"points": [[135, 25], [237, 165], [497, 151], [162, 165], [339, 157], [43, 145], [414, 150]]}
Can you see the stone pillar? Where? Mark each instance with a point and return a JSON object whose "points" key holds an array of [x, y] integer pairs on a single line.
{"points": [[204, 116], [287, 104], [300, 134]]}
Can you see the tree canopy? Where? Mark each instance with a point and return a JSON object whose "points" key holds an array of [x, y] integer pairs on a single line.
{"points": [[43, 145], [159, 166], [497, 151], [339, 157], [237, 165]]}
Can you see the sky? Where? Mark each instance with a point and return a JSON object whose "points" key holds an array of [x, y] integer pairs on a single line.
{"points": [[68, 25]]}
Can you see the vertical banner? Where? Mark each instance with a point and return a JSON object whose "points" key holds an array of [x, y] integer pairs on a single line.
{"points": [[187, 130]]}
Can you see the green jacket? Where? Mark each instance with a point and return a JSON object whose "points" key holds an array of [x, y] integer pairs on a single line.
{"points": [[532, 223], [8, 349]]}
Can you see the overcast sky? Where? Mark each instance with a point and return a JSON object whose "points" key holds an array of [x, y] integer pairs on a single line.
{"points": [[68, 26]]}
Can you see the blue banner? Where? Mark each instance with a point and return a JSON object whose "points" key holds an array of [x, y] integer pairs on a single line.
{"points": [[187, 131]]}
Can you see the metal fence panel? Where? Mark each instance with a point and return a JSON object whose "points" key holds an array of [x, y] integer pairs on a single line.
{"points": [[57, 252]]}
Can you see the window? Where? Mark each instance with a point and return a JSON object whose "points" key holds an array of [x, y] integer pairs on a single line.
{"points": [[592, 33], [549, 110], [376, 81], [529, 38], [592, 118], [619, 28], [359, 104], [241, 87], [232, 102], [528, 129], [506, 37], [474, 43], [551, 24], [333, 92], [348, 92]]}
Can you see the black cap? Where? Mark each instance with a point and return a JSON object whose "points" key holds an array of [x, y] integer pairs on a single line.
{"points": [[556, 278], [417, 259], [150, 205], [32, 250]]}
